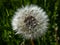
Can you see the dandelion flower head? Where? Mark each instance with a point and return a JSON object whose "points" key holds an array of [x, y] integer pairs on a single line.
{"points": [[30, 21]]}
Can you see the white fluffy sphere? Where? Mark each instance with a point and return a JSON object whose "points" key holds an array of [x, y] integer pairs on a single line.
{"points": [[30, 21]]}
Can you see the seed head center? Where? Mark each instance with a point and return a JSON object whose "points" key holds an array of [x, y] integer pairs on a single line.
{"points": [[30, 22]]}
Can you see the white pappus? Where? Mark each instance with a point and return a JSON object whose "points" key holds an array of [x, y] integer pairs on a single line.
{"points": [[30, 21]]}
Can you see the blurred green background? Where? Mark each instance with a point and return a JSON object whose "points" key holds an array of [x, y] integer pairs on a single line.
{"points": [[7, 9]]}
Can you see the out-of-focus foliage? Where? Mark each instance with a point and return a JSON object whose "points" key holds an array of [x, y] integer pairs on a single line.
{"points": [[7, 9]]}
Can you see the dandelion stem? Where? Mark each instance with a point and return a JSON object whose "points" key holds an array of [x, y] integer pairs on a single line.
{"points": [[32, 42]]}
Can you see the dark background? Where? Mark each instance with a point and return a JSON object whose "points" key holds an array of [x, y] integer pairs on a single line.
{"points": [[7, 9]]}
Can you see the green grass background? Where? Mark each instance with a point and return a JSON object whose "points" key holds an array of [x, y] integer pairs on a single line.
{"points": [[7, 9]]}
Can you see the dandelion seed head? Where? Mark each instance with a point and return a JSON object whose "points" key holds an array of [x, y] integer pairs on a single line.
{"points": [[30, 21]]}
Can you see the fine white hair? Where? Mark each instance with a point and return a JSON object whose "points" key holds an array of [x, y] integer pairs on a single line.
{"points": [[20, 27]]}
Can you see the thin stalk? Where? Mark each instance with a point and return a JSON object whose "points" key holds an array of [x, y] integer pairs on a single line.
{"points": [[32, 42]]}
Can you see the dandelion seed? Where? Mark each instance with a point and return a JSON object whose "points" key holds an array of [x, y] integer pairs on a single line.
{"points": [[30, 21]]}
